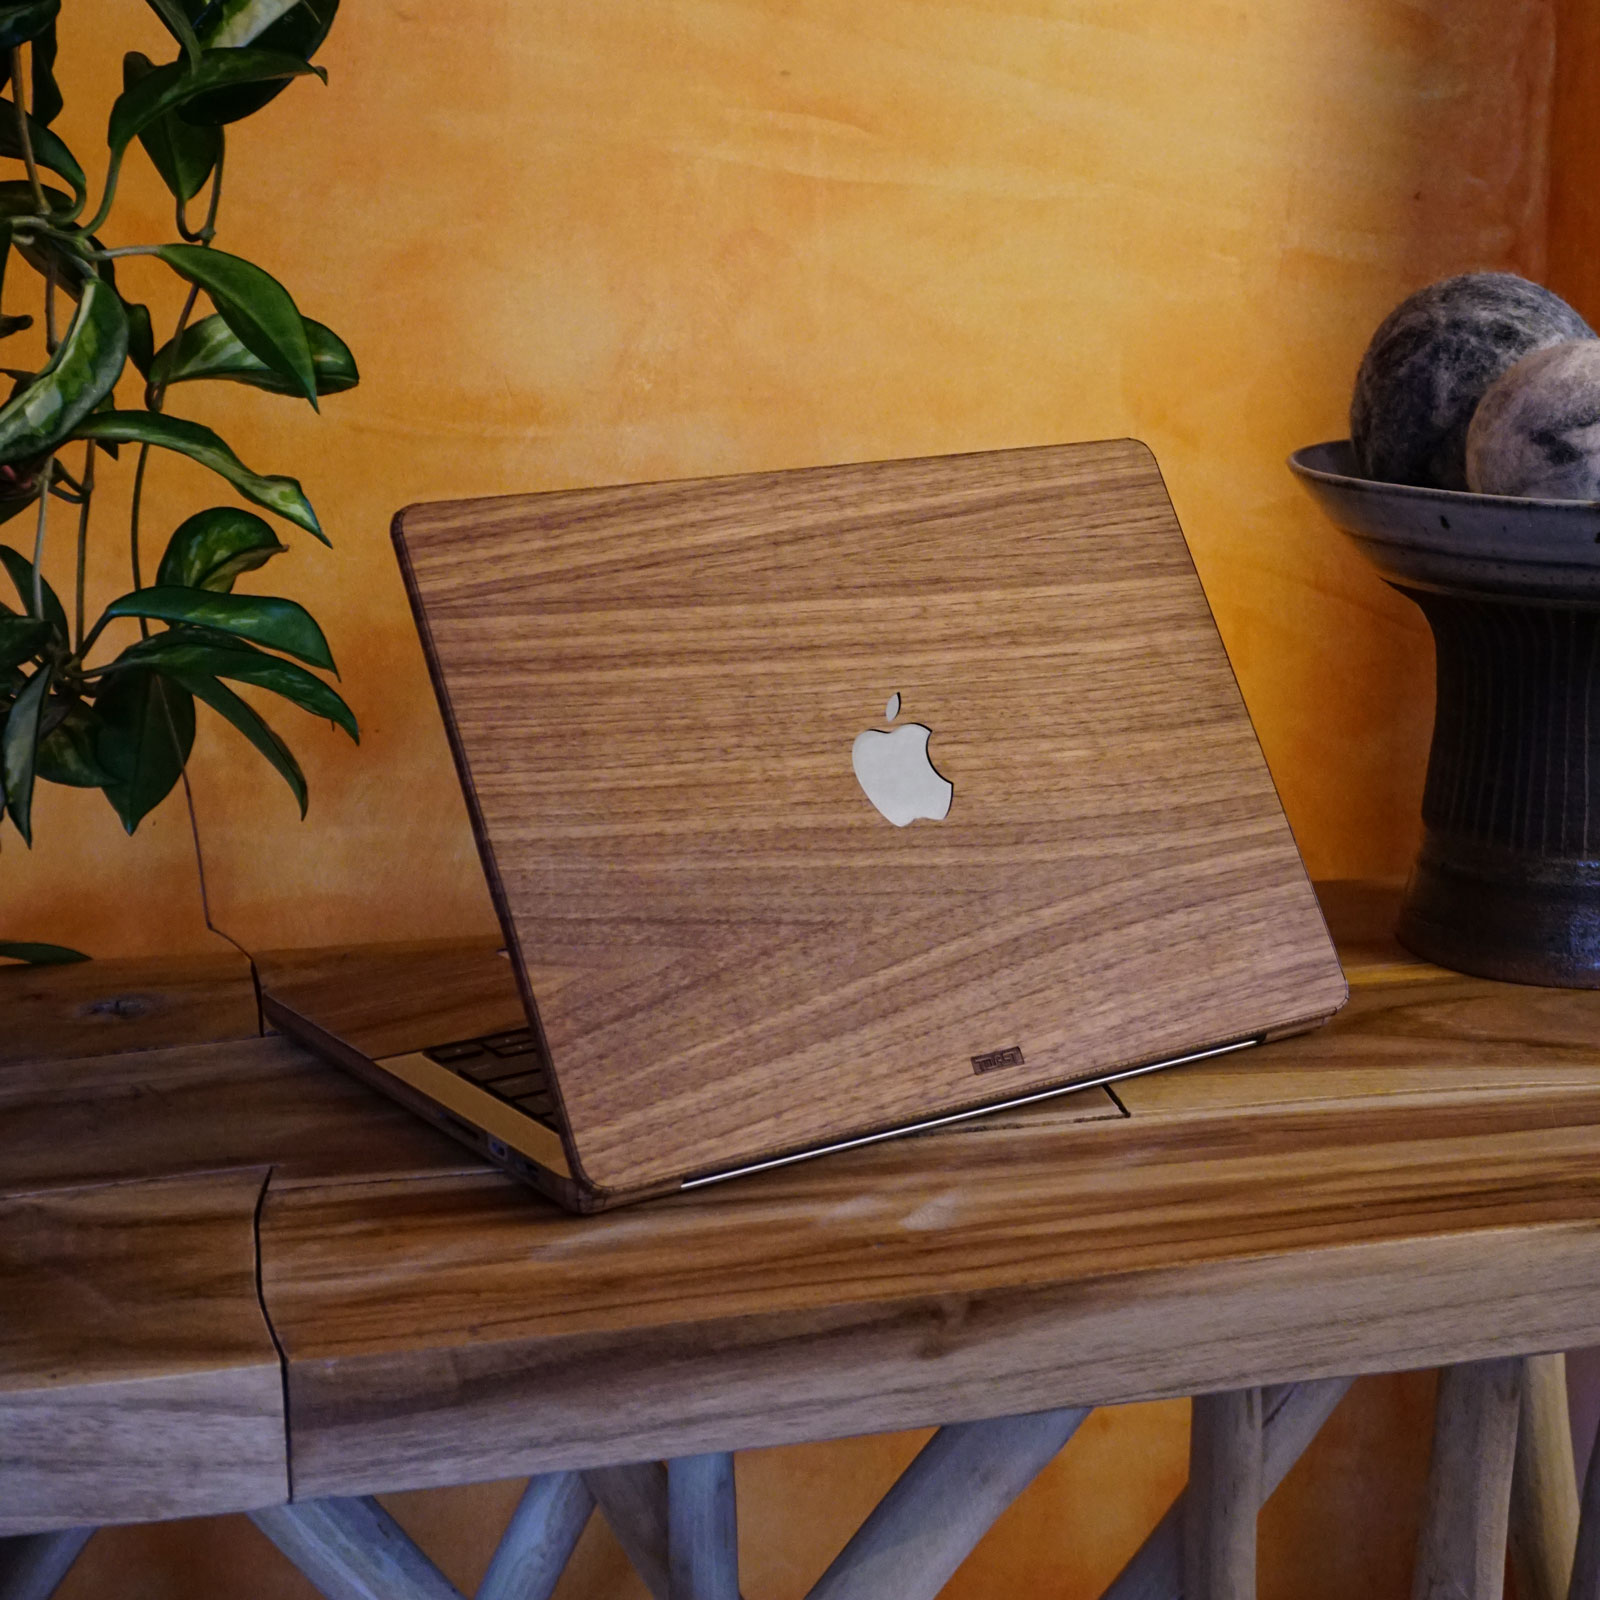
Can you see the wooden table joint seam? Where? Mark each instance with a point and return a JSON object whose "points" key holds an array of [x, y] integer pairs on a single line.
{"points": [[272, 1332]]}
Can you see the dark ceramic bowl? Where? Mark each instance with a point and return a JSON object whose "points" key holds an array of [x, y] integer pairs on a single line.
{"points": [[1455, 542], [1508, 881]]}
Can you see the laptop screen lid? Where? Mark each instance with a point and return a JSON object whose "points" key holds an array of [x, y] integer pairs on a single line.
{"points": [[851, 796]]}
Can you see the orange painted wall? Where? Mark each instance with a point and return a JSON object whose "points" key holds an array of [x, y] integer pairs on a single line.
{"points": [[1574, 211], [603, 242], [576, 244]]}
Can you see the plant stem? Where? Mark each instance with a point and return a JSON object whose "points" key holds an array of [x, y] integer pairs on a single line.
{"points": [[154, 395], [50, 339], [24, 138], [138, 500], [209, 228], [138, 495], [153, 398], [113, 172], [38, 537], [177, 332], [29, 230], [83, 535]]}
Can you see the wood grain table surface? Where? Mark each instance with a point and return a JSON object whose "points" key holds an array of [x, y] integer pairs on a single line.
{"points": [[1415, 1184]]}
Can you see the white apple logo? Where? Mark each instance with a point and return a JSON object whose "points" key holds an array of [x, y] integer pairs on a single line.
{"points": [[895, 774]]}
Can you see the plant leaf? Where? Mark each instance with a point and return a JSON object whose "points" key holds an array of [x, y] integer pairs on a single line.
{"points": [[27, 20], [44, 98], [21, 638], [282, 495], [9, 324], [81, 373], [296, 31], [176, 83], [212, 548], [183, 655], [32, 954], [178, 25], [226, 703], [21, 573], [280, 624], [16, 199], [146, 734], [237, 22], [141, 336], [48, 252], [19, 745], [183, 154], [254, 305], [17, 493], [210, 349], [67, 751], [48, 152]]}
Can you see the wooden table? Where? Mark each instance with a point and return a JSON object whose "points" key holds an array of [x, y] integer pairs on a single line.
{"points": [[193, 1235]]}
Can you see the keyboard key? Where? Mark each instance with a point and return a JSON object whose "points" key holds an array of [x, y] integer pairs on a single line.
{"points": [[511, 1044], [523, 1083], [540, 1109], [487, 1068], [448, 1054]]}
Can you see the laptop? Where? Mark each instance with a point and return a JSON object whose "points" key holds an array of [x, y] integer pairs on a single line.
{"points": [[823, 806]]}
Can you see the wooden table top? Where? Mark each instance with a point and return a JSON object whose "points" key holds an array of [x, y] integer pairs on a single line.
{"points": [[1414, 1184]]}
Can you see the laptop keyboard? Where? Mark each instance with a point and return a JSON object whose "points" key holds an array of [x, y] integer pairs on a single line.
{"points": [[508, 1066]]}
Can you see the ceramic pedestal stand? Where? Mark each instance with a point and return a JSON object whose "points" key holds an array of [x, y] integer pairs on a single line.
{"points": [[1508, 881]]}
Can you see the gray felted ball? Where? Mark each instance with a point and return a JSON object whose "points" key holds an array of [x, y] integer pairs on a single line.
{"points": [[1537, 430], [1430, 362]]}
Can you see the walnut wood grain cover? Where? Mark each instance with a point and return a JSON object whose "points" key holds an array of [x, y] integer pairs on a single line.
{"points": [[653, 691], [384, 999]]}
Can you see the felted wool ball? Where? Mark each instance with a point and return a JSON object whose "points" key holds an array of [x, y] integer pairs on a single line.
{"points": [[1537, 430], [1430, 362]]}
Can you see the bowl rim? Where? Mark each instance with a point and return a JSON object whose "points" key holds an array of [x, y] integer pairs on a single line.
{"points": [[1416, 491]]}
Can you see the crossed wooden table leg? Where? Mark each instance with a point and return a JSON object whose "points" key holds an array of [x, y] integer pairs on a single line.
{"points": [[32, 1564], [676, 1523], [1502, 1464]]}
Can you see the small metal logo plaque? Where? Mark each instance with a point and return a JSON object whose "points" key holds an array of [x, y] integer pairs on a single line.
{"points": [[1011, 1056]]}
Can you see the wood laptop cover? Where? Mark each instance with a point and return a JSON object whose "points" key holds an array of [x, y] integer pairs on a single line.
{"points": [[653, 692]]}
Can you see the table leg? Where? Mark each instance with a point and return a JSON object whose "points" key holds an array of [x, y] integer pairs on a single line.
{"points": [[1292, 1416], [1586, 1563], [943, 1504], [33, 1564], [1224, 1496], [352, 1549], [1461, 1553], [1544, 1484], [702, 1529], [539, 1540], [633, 1500]]}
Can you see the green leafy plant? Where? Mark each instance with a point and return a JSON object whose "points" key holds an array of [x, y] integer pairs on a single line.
{"points": [[110, 705]]}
